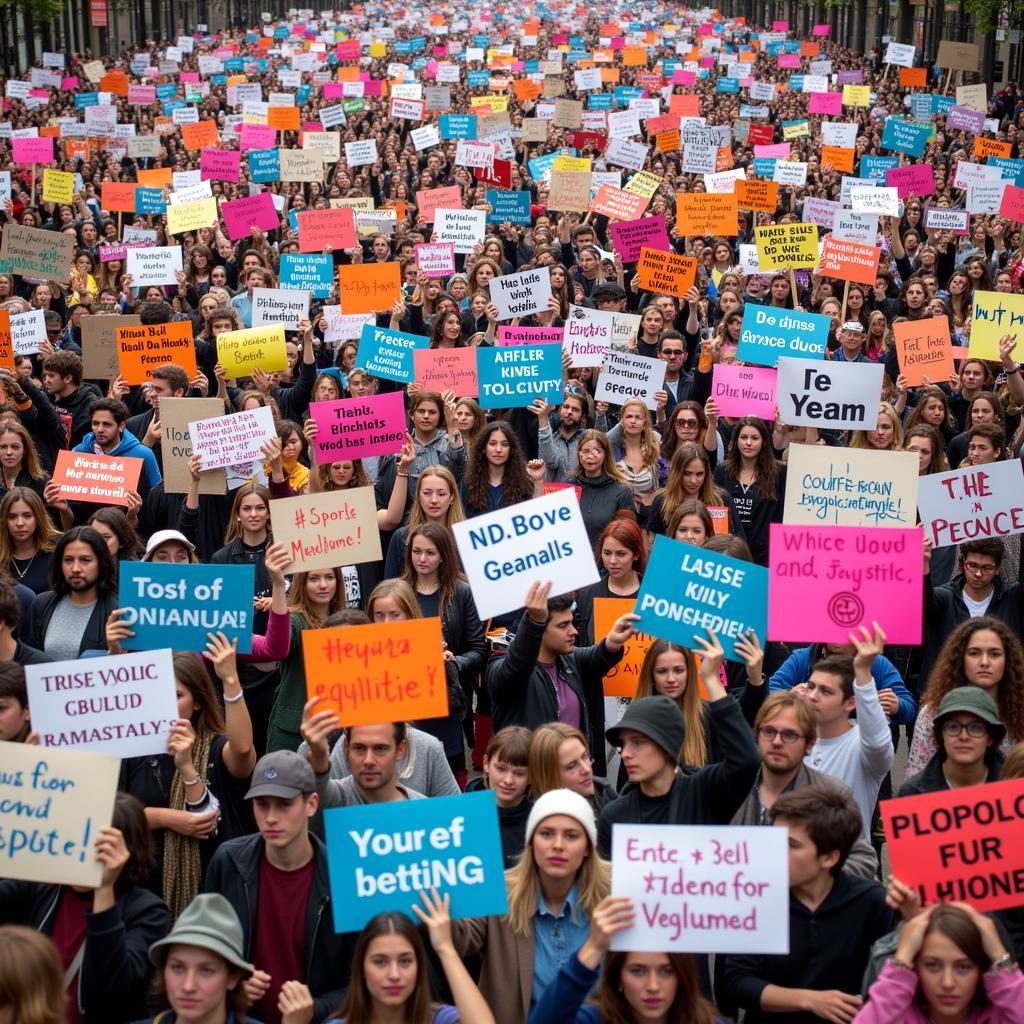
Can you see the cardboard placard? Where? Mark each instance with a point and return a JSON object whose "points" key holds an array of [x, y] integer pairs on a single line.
{"points": [[744, 390], [768, 333], [830, 396], [156, 264], [369, 287], [995, 314], [100, 352], [37, 253], [356, 428], [972, 503], [630, 237], [283, 307], [388, 354], [706, 213], [666, 272], [323, 531], [176, 444], [518, 295], [625, 375], [621, 679], [142, 349], [321, 230], [96, 479], [513, 377], [787, 247]]}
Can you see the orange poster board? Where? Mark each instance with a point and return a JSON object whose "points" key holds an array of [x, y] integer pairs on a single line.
{"points": [[97, 479], [118, 196], [283, 119], [757, 195], [141, 349], [991, 147], [201, 135], [621, 679], [706, 213], [666, 272], [924, 350], [6, 345], [155, 177], [849, 261], [369, 287], [911, 78], [839, 157]]}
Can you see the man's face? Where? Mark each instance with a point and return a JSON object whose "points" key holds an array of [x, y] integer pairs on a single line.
{"points": [[981, 451], [281, 822], [560, 633], [583, 239], [825, 698], [781, 743], [55, 383], [570, 415], [80, 566], [642, 758], [805, 863], [373, 755], [161, 389], [105, 428], [673, 353]]}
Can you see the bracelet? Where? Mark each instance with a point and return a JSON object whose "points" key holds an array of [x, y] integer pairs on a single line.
{"points": [[1009, 373], [234, 700], [192, 782], [902, 965], [404, 476]]}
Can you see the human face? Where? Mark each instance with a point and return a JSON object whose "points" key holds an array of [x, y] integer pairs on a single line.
{"points": [[642, 758], [667, 307], [435, 498], [342, 473], [12, 450], [972, 377], [649, 985], [687, 425], [560, 846], [373, 755], [570, 414], [172, 551], [947, 977], [186, 702], [984, 656], [923, 447], [426, 417], [981, 451], [55, 383], [386, 609], [560, 633], [749, 442], [105, 429], [632, 420], [591, 457], [426, 559], [291, 447], [982, 412], [361, 386], [669, 674], [326, 390], [484, 275], [21, 522], [197, 983], [617, 558], [652, 321], [959, 741], [497, 449], [508, 781], [576, 767], [780, 290], [321, 586], [825, 698], [881, 436], [916, 296], [464, 417], [452, 327], [780, 752], [282, 822], [934, 412], [805, 863], [691, 530], [694, 475], [13, 718], [390, 970], [80, 566]]}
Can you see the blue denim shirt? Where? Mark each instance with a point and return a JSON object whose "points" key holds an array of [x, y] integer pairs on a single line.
{"points": [[555, 940]]}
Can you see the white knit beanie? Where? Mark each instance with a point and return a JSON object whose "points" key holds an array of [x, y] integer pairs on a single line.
{"points": [[562, 801]]}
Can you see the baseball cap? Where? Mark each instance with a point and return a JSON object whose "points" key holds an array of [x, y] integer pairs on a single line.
{"points": [[165, 537], [973, 701], [284, 774], [608, 290], [853, 325]]}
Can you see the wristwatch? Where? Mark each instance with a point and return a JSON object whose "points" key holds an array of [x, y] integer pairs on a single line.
{"points": [[1004, 965]]}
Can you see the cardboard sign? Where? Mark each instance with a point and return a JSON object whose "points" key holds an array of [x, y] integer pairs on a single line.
{"points": [[376, 674], [176, 444], [588, 335], [53, 804], [617, 203], [253, 348], [972, 503], [369, 287], [687, 591], [323, 230], [629, 238], [504, 552], [436, 259], [279, 306], [388, 354], [323, 531], [768, 333], [142, 349], [666, 272], [308, 272], [521, 294], [703, 888], [37, 253], [100, 351], [850, 487], [156, 264], [448, 369], [830, 396], [924, 350], [995, 314], [957, 56], [787, 246], [381, 856], [58, 186], [705, 213], [621, 679], [96, 479], [744, 390], [184, 217], [120, 704], [232, 440], [827, 581], [356, 428], [513, 377], [849, 261], [960, 844], [177, 606], [625, 375]]}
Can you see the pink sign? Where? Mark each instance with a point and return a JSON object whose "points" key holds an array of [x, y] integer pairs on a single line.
{"points": [[436, 259], [915, 179], [373, 87], [241, 215], [530, 335], [681, 77], [141, 95], [353, 428], [780, 26], [220, 164], [826, 103], [1012, 206], [257, 136], [789, 60], [821, 30], [447, 369], [119, 251], [334, 90], [33, 151], [780, 150], [189, 76], [826, 581], [744, 390], [630, 236], [67, 84]]}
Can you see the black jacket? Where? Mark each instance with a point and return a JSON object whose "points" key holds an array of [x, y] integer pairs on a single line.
{"points": [[600, 498], [114, 980], [932, 779], [522, 692], [95, 636], [234, 872], [511, 822], [42, 420], [464, 633], [77, 406]]}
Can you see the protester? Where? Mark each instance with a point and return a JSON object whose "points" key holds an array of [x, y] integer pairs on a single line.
{"points": [[31, 978]]}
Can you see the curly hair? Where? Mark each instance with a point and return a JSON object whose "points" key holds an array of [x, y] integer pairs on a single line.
{"points": [[516, 484], [948, 672]]}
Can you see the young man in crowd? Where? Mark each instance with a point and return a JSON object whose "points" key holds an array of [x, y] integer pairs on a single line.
{"points": [[559, 448], [62, 377], [110, 436], [12, 611]]}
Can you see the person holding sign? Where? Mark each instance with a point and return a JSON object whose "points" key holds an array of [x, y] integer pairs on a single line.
{"points": [[109, 436], [604, 489], [623, 557], [497, 475], [690, 478]]}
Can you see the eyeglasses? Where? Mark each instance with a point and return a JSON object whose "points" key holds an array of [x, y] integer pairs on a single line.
{"points": [[980, 570], [687, 423], [671, 352], [952, 728], [788, 736]]}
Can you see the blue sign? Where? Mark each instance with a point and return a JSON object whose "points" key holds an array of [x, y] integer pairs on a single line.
{"points": [[876, 168], [176, 606], [1011, 170], [764, 167], [942, 104], [726, 84], [540, 166], [768, 332], [167, 90], [457, 126], [514, 376], [265, 164], [478, 79], [380, 857], [599, 101], [904, 137], [88, 99], [308, 272], [921, 106], [508, 207], [389, 354], [687, 591], [150, 200], [625, 93]]}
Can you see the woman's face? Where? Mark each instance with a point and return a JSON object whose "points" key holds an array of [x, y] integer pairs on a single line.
{"points": [[972, 376], [948, 977], [576, 767], [957, 284], [197, 983], [652, 321], [208, 307], [722, 254], [984, 658], [483, 275], [218, 276], [464, 418], [649, 985], [934, 412], [669, 674], [172, 551], [477, 305], [855, 300], [12, 450], [21, 522], [321, 586], [728, 302], [291, 447], [389, 970], [253, 513], [498, 448], [426, 559], [981, 412], [327, 390], [749, 442], [508, 781], [923, 447], [435, 498], [452, 327], [426, 417], [780, 289], [557, 278], [560, 845], [387, 609], [687, 425], [632, 420], [457, 289], [591, 457], [694, 475], [617, 558], [881, 436], [691, 530]]}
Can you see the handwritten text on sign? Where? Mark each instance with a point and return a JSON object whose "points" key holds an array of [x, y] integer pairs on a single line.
{"points": [[972, 503], [621, 679], [98, 479], [703, 889], [232, 440], [355, 428], [323, 531]]}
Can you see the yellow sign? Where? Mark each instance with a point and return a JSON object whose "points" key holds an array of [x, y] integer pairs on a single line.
{"points": [[498, 104], [257, 348], [378, 50], [995, 314], [856, 95], [182, 217], [643, 183], [797, 130], [58, 186], [572, 163], [786, 247]]}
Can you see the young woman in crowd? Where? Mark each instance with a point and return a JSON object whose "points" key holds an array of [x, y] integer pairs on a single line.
{"points": [[27, 538], [690, 478], [603, 486], [560, 759], [119, 533], [887, 436], [622, 555], [31, 978], [497, 475], [506, 773], [437, 501], [688, 423], [638, 451], [691, 523]]}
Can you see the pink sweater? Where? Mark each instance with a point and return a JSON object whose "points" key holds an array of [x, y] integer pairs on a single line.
{"points": [[891, 999]]}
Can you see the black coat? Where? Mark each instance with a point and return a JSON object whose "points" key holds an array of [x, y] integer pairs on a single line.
{"points": [[95, 636], [600, 498], [933, 780]]}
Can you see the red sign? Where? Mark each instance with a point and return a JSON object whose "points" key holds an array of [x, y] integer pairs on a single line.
{"points": [[98, 13], [960, 844]]}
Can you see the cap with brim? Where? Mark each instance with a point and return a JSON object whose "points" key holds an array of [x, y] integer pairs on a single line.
{"points": [[166, 537], [971, 700], [853, 325], [208, 922], [281, 773]]}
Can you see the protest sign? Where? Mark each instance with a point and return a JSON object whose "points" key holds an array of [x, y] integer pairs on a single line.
{"points": [[960, 844], [972, 503], [279, 306], [184, 217], [588, 334], [53, 804], [232, 440], [850, 487], [767, 333], [513, 377], [787, 246], [27, 331], [447, 369], [905, 137], [530, 335], [381, 856], [705, 213], [356, 428], [96, 479], [176, 444], [617, 203], [848, 226], [121, 704], [630, 237], [464, 228], [703, 888], [142, 349], [252, 348], [958, 56], [312, 272], [323, 229], [58, 186], [430, 200], [621, 679], [827, 581], [374, 674], [995, 314], [369, 287], [666, 272], [157, 265], [687, 591], [518, 295], [99, 344], [36, 252], [830, 396], [849, 261], [323, 531], [177, 606], [388, 354], [757, 195], [504, 552], [924, 350], [626, 375], [242, 215], [436, 259], [744, 390]]}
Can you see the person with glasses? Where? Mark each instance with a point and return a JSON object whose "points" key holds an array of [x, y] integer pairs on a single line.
{"points": [[688, 423], [680, 384]]}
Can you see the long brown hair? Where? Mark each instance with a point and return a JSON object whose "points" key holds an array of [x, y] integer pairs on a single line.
{"points": [[298, 598], [689, 1005], [448, 573], [694, 750], [955, 925], [189, 671], [30, 460], [545, 771], [673, 494], [31, 977], [234, 527], [765, 466], [516, 484], [45, 536], [455, 513]]}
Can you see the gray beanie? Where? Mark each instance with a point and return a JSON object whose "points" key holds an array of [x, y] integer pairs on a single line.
{"points": [[658, 718]]}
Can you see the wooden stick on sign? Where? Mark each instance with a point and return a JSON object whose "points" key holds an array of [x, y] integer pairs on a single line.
{"points": [[846, 295]]}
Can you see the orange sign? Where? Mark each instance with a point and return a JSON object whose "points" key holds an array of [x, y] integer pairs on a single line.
{"points": [[118, 196], [667, 142], [849, 261], [924, 350], [385, 672], [141, 349], [839, 157], [621, 679], [757, 195], [6, 345], [706, 213], [283, 119], [369, 287], [666, 272], [991, 147], [684, 105], [96, 479], [155, 177], [911, 78], [201, 135]]}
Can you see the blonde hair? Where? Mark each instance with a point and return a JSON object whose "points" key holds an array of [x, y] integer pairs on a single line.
{"points": [[31, 977], [545, 772], [400, 592], [455, 513], [650, 448], [860, 438]]}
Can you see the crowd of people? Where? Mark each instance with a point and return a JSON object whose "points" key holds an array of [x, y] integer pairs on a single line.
{"points": [[215, 899]]}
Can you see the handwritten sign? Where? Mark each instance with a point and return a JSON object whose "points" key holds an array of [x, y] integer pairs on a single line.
{"points": [[176, 444], [323, 531], [369, 287], [832, 396], [242, 215], [356, 428], [924, 350], [53, 804], [157, 264], [448, 369], [99, 344], [625, 375], [630, 237], [279, 306], [768, 333], [436, 259], [232, 440], [37, 253], [323, 229], [787, 247], [666, 272], [621, 679], [530, 335], [995, 314], [744, 390], [849, 261], [122, 704], [380, 857], [142, 349], [253, 348], [588, 335], [972, 503], [388, 354], [96, 479], [705, 213], [703, 888], [27, 331], [513, 377], [521, 294]]}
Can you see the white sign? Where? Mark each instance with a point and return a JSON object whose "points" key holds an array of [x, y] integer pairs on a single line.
{"points": [[985, 197], [358, 154], [521, 294], [156, 264], [279, 306], [425, 137], [27, 330], [474, 154], [699, 159], [504, 552], [703, 888], [626, 153], [121, 704], [464, 228], [901, 54], [833, 396], [790, 172], [836, 133], [229, 440], [588, 335], [625, 375], [344, 326], [940, 219], [856, 227], [436, 259], [972, 503], [879, 199]]}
